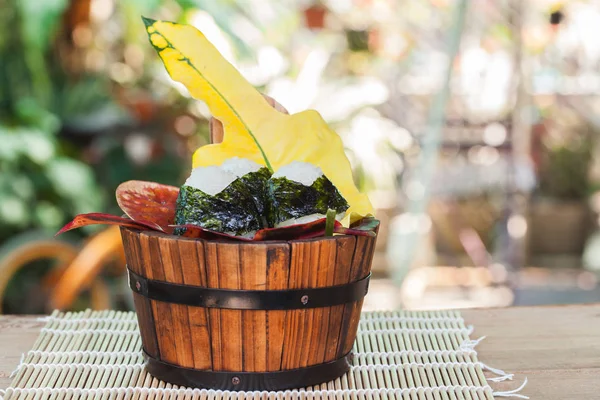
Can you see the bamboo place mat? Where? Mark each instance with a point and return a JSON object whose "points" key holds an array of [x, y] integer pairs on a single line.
{"points": [[397, 355]]}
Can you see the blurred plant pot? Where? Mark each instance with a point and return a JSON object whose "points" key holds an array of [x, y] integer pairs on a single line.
{"points": [[448, 217], [314, 16], [358, 40], [558, 226]]}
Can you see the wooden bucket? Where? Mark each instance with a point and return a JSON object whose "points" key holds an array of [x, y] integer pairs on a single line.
{"points": [[247, 316]]}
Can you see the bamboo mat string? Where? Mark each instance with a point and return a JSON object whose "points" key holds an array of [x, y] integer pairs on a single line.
{"points": [[423, 355]]}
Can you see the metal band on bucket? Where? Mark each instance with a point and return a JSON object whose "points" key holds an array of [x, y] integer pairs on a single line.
{"points": [[248, 299], [270, 381]]}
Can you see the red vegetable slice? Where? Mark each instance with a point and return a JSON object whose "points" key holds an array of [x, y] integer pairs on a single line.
{"points": [[106, 219], [292, 232], [149, 202], [308, 230], [316, 229], [197, 232]]}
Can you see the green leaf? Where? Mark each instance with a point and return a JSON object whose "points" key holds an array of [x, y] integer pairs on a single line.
{"points": [[330, 224]]}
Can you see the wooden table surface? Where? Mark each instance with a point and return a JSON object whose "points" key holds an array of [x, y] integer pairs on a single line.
{"points": [[557, 348]]}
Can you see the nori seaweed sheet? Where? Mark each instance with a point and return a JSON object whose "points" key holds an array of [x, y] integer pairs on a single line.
{"points": [[231, 210], [256, 201], [256, 186], [290, 199]]}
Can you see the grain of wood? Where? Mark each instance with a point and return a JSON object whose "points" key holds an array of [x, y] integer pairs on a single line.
{"points": [[230, 277], [163, 323], [180, 323], [253, 266], [343, 262], [278, 271], [323, 269], [319, 264], [142, 304], [303, 265], [194, 274], [294, 326], [359, 268], [214, 315]]}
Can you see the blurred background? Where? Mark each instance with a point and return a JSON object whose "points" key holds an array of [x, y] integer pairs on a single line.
{"points": [[472, 125]]}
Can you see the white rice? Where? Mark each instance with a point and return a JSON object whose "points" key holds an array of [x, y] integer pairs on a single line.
{"points": [[211, 180], [301, 172], [240, 166]]}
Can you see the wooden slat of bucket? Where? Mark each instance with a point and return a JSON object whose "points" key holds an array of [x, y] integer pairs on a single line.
{"points": [[194, 273], [361, 264], [322, 274], [180, 324], [278, 271], [214, 315], [224, 262], [163, 321], [305, 260], [253, 261], [296, 319], [142, 304], [343, 261]]}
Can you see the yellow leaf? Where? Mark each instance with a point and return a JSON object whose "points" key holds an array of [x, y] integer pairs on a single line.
{"points": [[253, 129]]}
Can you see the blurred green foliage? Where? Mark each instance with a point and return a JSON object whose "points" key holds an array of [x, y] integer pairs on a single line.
{"points": [[568, 141], [66, 124], [64, 127], [565, 167], [43, 182]]}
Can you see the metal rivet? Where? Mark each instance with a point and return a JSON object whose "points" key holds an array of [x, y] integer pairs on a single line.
{"points": [[304, 299], [235, 380], [138, 285]]}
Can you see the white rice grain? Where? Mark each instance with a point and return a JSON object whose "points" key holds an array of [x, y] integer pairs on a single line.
{"points": [[301, 172], [211, 180], [240, 166]]}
